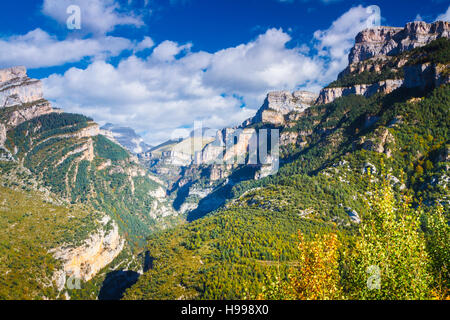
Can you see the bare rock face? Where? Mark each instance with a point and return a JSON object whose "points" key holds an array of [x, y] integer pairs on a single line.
{"points": [[25, 95], [379, 143], [288, 137], [392, 41], [2, 134], [218, 172], [16, 117], [85, 261], [424, 75], [16, 88], [373, 50]]}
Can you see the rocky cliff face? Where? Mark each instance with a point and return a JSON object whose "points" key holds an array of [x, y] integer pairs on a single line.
{"points": [[427, 74], [21, 98], [378, 51], [85, 261], [16, 88], [392, 41], [328, 95]]}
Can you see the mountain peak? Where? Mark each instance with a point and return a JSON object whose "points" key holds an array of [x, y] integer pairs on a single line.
{"points": [[279, 103], [126, 137], [393, 40], [17, 88]]}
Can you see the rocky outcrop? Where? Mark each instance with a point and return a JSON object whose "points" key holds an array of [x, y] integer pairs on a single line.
{"points": [[280, 103], [392, 41], [426, 75], [21, 98], [86, 149], [217, 172], [328, 95], [85, 261], [16, 88], [17, 116], [288, 137], [91, 130], [379, 142], [353, 215], [374, 52]]}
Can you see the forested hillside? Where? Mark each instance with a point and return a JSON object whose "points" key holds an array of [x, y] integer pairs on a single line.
{"points": [[368, 189], [67, 154]]}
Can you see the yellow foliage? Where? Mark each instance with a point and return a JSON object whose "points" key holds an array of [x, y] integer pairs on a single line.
{"points": [[318, 277]]}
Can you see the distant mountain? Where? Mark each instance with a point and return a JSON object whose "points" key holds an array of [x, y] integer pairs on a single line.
{"points": [[127, 138]]}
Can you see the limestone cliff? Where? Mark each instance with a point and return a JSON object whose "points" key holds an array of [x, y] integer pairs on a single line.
{"points": [[383, 51], [280, 103], [393, 41], [16, 88], [21, 98], [328, 95]]}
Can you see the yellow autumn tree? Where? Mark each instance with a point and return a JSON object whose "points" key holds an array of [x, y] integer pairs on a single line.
{"points": [[318, 275], [438, 248]]}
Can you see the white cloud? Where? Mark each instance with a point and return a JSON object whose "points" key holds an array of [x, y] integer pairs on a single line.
{"points": [[336, 42], [252, 69], [146, 43], [39, 49], [445, 16], [97, 16]]}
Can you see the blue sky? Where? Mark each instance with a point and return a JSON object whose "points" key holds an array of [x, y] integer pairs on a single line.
{"points": [[158, 65]]}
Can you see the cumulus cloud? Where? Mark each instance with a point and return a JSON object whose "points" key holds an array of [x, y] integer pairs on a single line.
{"points": [[146, 43], [173, 86], [39, 49], [160, 93], [251, 69], [167, 50], [444, 16], [97, 16], [335, 43]]}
